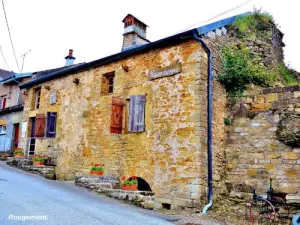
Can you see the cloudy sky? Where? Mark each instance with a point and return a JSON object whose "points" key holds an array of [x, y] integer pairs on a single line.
{"points": [[94, 29]]}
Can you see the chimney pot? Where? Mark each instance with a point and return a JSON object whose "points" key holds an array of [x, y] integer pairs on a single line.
{"points": [[71, 52], [70, 58]]}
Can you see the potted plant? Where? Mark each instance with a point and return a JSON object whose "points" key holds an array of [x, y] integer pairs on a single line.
{"points": [[97, 170], [130, 184], [18, 152], [38, 160]]}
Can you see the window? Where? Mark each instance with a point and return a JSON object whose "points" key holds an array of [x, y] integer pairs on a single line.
{"points": [[2, 129], [51, 124], [108, 83], [136, 122], [3, 102], [37, 98], [116, 115]]}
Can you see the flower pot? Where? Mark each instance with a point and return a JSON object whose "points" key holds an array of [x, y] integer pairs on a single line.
{"points": [[130, 187], [38, 163], [96, 173], [19, 155]]}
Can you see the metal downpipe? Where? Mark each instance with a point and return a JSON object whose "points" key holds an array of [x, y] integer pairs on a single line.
{"points": [[209, 121]]}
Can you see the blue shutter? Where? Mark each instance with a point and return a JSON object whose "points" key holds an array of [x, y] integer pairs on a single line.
{"points": [[137, 113], [51, 124]]}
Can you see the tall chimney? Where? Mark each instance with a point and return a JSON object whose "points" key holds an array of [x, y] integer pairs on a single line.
{"points": [[134, 32], [69, 58]]}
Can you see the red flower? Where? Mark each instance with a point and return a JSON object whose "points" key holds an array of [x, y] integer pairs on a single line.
{"points": [[97, 164], [134, 177], [123, 178]]}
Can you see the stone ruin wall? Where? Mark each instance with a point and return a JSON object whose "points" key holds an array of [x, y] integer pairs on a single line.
{"points": [[263, 143]]}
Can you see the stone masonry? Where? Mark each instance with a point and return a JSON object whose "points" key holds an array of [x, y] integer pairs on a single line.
{"points": [[254, 152]]}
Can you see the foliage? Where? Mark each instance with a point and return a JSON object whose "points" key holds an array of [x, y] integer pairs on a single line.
{"points": [[131, 180], [227, 121], [287, 75], [257, 21], [18, 151], [97, 167], [240, 68], [38, 158]]}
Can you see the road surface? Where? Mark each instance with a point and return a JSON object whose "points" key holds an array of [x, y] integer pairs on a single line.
{"points": [[29, 199]]}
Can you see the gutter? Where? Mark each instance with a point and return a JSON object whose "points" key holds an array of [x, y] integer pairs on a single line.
{"points": [[209, 121]]}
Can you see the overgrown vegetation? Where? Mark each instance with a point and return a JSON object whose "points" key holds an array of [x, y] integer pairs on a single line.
{"points": [[244, 64], [287, 75], [240, 68], [227, 121], [257, 21]]}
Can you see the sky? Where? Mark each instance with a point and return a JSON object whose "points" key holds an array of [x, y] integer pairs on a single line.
{"points": [[46, 30]]}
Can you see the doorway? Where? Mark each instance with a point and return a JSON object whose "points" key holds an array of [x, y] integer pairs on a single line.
{"points": [[16, 132]]}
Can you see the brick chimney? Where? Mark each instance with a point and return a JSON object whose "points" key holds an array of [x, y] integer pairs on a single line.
{"points": [[69, 58], [134, 32]]}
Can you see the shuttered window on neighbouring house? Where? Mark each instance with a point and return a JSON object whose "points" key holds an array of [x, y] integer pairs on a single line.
{"points": [[39, 130], [51, 124], [136, 122], [116, 115]]}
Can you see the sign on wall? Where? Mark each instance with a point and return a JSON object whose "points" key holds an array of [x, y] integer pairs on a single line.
{"points": [[24, 129], [53, 97], [167, 71]]}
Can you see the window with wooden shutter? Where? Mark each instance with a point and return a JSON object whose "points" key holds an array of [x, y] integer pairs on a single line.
{"points": [[136, 121], [108, 83], [116, 115], [51, 124], [39, 130]]}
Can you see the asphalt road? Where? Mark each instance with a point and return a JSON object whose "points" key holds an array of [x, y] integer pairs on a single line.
{"points": [[28, 197]]}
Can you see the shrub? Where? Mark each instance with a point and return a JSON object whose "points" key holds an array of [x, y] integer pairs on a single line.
{"points": [[287, 75], [38, 158], [227, 121], [257, 21], [97, 167], [240, 68]]}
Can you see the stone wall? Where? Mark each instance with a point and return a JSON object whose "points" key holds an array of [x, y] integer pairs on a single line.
{"points": [[254, 152], [169, 155]]}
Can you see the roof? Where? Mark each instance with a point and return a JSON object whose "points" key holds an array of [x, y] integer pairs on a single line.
{"points": [[168, 41], [14, 108], [39, 74], [5, 74]]}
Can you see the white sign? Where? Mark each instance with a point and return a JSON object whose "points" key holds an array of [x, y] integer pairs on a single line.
{"points": [[24, 129]]}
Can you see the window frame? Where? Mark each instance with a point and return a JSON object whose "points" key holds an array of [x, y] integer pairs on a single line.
{"points": [[37, 97], [3, 101], [108, 83], [1, 129], [51, 115]]}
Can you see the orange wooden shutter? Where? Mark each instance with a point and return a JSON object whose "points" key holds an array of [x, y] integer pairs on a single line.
{"points": [[116, 115], [39, 130]]}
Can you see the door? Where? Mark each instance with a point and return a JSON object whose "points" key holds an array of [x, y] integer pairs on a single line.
{"points": [[16, 135], [32, 137]]}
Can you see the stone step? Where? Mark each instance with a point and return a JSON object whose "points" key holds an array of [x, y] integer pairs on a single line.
{"points": [[95, 183], [145, 199]]}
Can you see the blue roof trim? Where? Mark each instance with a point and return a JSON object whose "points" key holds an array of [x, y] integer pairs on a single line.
{"points": [[221, 23]]}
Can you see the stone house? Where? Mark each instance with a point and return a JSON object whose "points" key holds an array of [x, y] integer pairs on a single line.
{"points": [[144, 112]]}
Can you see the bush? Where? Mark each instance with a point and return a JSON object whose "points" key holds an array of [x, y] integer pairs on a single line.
{"points": [[240, 68], [257, 21]]}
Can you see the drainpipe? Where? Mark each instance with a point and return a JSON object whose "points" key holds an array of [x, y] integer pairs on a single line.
{"points": [[209, 122]]}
